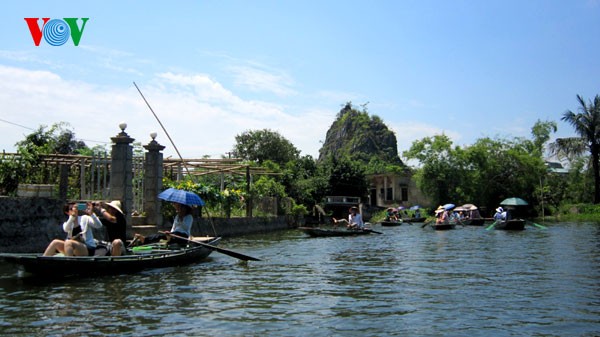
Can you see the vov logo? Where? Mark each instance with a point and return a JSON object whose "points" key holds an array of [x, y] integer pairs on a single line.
{"points": [[56, 32]]}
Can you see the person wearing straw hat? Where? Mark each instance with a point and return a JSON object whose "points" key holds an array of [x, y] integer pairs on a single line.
{"points": [[116, 226], [354, 221], [500, 214], [441, 215]]}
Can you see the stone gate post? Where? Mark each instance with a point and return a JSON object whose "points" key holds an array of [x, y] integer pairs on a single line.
{"points": [[121, 173], [153, 174]]}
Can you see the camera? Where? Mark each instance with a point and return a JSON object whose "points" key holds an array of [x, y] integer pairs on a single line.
{"points": [[81, 207]]}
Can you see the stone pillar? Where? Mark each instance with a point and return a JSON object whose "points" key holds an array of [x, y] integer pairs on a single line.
{"points": [[153, 175], [121, 173]]}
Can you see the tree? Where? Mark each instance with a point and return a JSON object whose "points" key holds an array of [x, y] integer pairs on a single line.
{"points": [[541, 134], [303, 181], [443, 174], [483, 173], [587, 126], [261, 145], [345, 177], [57, 139]]}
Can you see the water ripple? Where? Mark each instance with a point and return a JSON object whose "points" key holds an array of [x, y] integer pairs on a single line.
{"points": [[408, 281]]}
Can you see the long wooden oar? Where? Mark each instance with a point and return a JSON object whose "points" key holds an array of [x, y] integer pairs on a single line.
{"points": [[491, 226], [220, 250], [427, 223], [537, 225]]}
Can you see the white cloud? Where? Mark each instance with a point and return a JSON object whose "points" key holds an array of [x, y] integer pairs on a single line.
{"points": [[201, 116], [28, 57], [260, 80]]}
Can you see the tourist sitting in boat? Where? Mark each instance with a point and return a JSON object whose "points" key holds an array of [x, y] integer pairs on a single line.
{"points": [[441, 215], [82, 244], [114, 221], [474, 214], [500, 214], [354, 221], [182, 226], [391, 215], [417, 213]]}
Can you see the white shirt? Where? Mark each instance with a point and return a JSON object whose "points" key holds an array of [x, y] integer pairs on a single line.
{"points": [[183, 226], [85, 222], [356, 219]]}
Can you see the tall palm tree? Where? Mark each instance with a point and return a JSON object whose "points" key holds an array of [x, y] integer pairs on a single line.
{"points": [[587, 125]]}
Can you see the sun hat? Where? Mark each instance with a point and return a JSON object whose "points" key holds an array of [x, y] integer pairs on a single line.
{"points": [[116, 204], [440, 209], [499, 209]]}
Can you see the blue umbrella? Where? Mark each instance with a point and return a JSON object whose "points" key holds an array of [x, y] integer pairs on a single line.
{"points": [[448, 206], [415, 207], [180, 196]]}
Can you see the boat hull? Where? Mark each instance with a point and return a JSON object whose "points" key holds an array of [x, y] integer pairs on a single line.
{"points": [[511, 225], [443, 227], [391, 223], [61, 266], [323, 232]]}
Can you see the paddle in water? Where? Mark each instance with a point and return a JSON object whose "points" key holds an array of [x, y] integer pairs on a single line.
{"points": [[491, 226], [220, 250], [537, 225]]}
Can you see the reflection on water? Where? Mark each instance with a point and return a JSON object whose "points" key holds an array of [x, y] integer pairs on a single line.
{"points": [[408, 281]]}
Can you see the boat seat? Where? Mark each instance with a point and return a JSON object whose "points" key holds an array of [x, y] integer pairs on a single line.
{"points": [[100, 251]]}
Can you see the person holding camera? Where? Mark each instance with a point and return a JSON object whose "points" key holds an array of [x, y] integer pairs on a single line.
{"points": [[82, 217], [115, 223]]}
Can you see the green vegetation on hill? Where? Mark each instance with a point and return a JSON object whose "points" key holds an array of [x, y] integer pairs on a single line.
{"points": [[358, 136]]}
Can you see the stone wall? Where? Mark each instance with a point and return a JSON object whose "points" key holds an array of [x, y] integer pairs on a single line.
{"points": [[28, 225], [222, 226]]}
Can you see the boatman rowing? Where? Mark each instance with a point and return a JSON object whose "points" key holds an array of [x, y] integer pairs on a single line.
{"points": [[354, 221]]}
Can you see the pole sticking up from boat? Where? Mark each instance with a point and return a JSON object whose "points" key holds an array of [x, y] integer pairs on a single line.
{"points": [[172, 143]]}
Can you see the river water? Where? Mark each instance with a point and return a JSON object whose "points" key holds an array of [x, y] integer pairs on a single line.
{"points": [[407, 281]]}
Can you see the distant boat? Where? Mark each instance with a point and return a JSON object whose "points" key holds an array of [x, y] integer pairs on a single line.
{"points": [[391, 223], [326, 232], [443, 226]]}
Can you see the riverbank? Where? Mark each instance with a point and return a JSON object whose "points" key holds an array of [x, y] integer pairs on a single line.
{"points": [[30, 224], [576, 213]]}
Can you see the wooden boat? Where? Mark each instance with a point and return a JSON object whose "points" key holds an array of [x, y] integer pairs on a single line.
{"points": [[146, 257], [513, 224], [391, 223], [443, 226], [325, 232]]}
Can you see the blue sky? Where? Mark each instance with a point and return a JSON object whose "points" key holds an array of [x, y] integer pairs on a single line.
{"points": [[214, 69]]}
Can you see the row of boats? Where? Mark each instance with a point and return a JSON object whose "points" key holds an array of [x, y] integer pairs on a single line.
{"points": [[512, 224]]}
